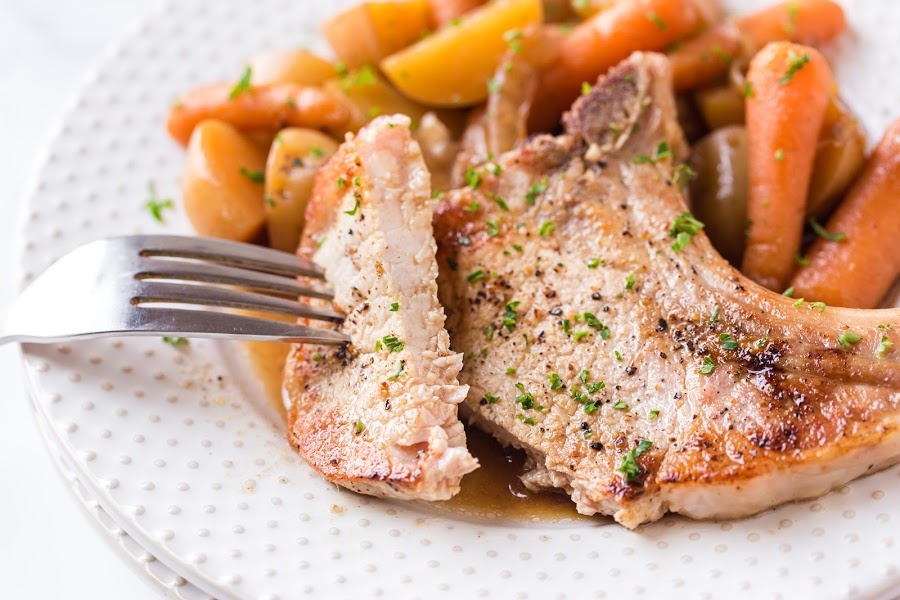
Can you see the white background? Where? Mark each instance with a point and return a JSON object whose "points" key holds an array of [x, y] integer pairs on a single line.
{"points": [[48, 547]]}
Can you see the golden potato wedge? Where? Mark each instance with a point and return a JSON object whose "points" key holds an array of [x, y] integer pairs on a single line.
{"points": [[840, 156], [370, 31], [294, 159], [223, 183], [370, 95], [452, 68], [290, 66]]}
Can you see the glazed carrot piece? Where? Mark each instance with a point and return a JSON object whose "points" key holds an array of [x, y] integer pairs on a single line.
{"points": [[790, 88], [445, 11], [600, 42], [809, 22], [858, 271], [705, 58], [265, 107]]}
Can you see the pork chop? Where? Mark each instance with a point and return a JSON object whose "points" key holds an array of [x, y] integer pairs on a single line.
{"points": [[380, 415], [605, 337]]}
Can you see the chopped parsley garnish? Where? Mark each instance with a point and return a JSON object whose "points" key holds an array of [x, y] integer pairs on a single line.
{"points": [[359, 427], [709, 365], [546, 229], [629, 282], [501, 203], [473, 178], [157, 205], [174, 341], [513, 37], [363, 76], [586, 88], [728, 342], [242, 86], [510, 371], [714, 317], [253, 175], [317, 357], [795, 63], [270, 201], [656, 20], [620, 405], [825, 234], [593, 263], [393, 343], [683, 229], [488, 333], [473, 206], [801, 260], [683, 174], [584, 375], [629, 466], [316, 152], [396, 373], [567, 327], [799, 302], [883, 346], [788, 293], [395, 306], [341, 182], [493, 227], [848, 338], [592, 320], [518, 248], [652, 415], [747, 90], [526, 399], [352, 212], [581, 334], [509, 317], [618, 356], [555, 381], [591, 407], [662, 151], [524, 419], [819, 306], [474, 276], [491, 399], [493, 85], [536, 190]]}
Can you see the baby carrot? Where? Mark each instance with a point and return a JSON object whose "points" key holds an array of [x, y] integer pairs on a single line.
{"points": [[705, 58], [808, 22], [600, 42], [446, 11], [790, 86], [264, 107], [859, 268]]}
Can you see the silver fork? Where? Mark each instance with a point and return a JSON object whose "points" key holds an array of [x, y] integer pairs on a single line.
{"points": [[172, 286]]}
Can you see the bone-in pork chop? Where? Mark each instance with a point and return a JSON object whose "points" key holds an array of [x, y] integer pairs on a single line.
{"points": [[639, 371], [380, 415]]}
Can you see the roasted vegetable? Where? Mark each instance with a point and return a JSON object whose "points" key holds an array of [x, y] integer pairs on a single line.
{"points": [[368, 95], [452, 68], [223, 183], [718, 192], [300, 67], [367, 32], [721, 106], [840, 156]]}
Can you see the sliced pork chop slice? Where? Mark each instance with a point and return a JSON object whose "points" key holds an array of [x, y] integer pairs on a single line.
{"points": [[380, 415], [639, 377]]}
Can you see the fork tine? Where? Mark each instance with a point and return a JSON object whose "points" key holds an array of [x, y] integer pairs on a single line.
{"points": [[161, 268], [201, 323], [174, 293], [228, 253]]}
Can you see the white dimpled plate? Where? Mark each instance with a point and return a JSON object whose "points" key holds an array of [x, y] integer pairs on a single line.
{"points": [[175, 450]]}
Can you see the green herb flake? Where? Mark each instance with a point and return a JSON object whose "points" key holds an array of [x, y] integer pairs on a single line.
{"points": [[174, 341], [156, 205], [526, 399], [591, 407], [513, 38], [474, 276], [472, 207], [396, 373], [747, 90], [629, 282], [620, 405], [270, 201], [629, 466], [581, 334], [341, 182], [779, 155], [683, 229], [555, 381], [464, 240], [352, 212], [518, 248], [546, 229], [359, 427], [819, 306], [317, 357], [618, 356], [728, 342], [825, 234], [510, 371], [395, 306], [656, 20], [709, 365], [593, 263], [491, 398], [794, 63], [524, 419], [683, 175], [509, 316], [243, 85], [492, 227], [788, 293], [361, 77], [586, 88], [393, 343], [801, 260], [316, 152], [848, 339], [473, 178], [652, 415], [493, 85], [567, 327], [715, 317], [799, 303], [883, 346], [501, 203], [536, 190]]}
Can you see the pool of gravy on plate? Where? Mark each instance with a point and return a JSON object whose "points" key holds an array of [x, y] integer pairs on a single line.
{"points": [[491, 491]]}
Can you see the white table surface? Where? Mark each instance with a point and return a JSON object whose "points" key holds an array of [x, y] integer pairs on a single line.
{"points": [[48, 547]]}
